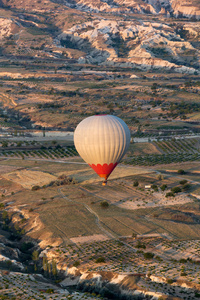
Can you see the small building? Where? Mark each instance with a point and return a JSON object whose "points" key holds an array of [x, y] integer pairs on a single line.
{"points": [[147, 187]]}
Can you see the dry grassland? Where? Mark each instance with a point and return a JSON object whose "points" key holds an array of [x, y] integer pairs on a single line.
{"points": [[142, 148], [6, 169], [68, 212], [7, 187], [68, 219], [29, 178], [186, 166], [89, 239]]}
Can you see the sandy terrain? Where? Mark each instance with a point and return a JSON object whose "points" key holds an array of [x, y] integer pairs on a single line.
{"points": [[89, 239], [158, 199]]}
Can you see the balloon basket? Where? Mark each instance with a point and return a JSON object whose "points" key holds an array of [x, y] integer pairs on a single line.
{"points": [[104, 183]]}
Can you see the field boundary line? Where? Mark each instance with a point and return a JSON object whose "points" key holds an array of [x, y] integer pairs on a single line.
{"points": [[97, 219]]}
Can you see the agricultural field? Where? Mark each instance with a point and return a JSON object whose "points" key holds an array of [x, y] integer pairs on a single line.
{"points": [[62, 98], [164, 152], [41, 153], [61, 62], [70, 188]]}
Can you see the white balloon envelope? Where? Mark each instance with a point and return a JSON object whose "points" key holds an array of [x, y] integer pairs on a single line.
{"points": [[102, 141]]}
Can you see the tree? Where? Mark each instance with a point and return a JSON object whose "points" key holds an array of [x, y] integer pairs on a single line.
{"points": [[35, 255], [135, 183], [9, 264], [160, 177], [19, 144], [54, 268], [4, 144], [45, 264], [43, 131], [134, 235], [49, 269], [5, 217], [154, 87], [140, 245], [25, 247]]}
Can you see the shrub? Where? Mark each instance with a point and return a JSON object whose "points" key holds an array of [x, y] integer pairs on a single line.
{"points": [[23, 221], [170, 194], [148, 255], [26, 246], [176, 189], [163, 187], [183, 260], [181, 172], [35, 187], [140, 245], [2, 206], [100, 260], [104, 204], [154, 187], [184, 181], [135, 183], [170, 281], [76, 263], [186, 187], [50, 291]]}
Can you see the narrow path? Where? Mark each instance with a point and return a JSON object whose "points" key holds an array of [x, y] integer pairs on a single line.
{"points": [[97, 220], [92, 194], [45, 159]]}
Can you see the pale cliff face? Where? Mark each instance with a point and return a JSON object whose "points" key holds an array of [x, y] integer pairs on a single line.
{"points": [[110, 39], [178, 8], [190, 9], [5, 27], [146, 45]]}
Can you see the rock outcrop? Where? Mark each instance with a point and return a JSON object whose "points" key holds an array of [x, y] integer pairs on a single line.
{"points": [[145, 45]]}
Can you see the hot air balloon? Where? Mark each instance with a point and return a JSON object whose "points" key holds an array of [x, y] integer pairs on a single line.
{"points": [[102, 141]]}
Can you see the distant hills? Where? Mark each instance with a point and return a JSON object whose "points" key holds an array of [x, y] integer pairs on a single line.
{"points": [[177, 8], [148, 35]]}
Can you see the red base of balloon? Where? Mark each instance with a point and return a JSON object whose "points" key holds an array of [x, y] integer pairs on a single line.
{"points": [[103, 170]]}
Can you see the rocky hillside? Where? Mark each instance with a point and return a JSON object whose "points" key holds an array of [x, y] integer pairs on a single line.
{"points": [[114, 36], [141, 44], [177, 8]]}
